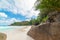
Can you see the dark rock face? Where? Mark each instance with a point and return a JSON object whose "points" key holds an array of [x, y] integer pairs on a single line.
{"points": [[48, 31], [3, 36], [54, 17], [36, 24]]}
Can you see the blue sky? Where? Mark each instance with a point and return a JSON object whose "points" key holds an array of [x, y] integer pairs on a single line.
{"points": [[16, 11]]}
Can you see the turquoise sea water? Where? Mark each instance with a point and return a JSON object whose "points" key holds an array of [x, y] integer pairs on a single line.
{"points": [[4, 28]]}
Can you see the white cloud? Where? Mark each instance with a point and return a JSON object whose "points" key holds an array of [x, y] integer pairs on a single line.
{"points": [[19, 7], [9, 21], [26, 8], [14, 20], [3, 15], [32, 13]]}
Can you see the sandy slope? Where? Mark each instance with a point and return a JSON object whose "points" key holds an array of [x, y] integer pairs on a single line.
{"points": [[18, 34]]}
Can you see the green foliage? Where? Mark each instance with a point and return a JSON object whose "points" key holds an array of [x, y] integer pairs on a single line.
{"points": [[45, 7], [39, 19], [23, 23], [34, 21], [48, 4]]}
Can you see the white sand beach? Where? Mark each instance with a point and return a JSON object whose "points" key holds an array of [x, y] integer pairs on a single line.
{"points": [[18, 34]]}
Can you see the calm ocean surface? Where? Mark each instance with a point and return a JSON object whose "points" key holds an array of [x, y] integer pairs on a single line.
{"points": [[4, 28]]}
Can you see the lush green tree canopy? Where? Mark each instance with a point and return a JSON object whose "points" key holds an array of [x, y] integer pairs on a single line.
{"points": [[48, 4], [45, 7]]}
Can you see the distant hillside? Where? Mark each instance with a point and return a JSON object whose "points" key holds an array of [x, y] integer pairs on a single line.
{"points": [[20, 23]]}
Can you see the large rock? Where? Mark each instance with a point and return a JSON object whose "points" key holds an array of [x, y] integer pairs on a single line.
{"points": [[3, 36], [48, 31], [54, 17]]}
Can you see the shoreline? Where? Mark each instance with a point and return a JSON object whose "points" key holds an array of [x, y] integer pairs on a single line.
{"points": [[18, 34]]}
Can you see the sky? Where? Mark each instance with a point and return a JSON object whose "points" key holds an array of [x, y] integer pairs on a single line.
{"points": [[16, 11]]}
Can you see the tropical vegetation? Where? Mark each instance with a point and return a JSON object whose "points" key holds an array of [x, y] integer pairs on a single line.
{"points": [[45, 7]]}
